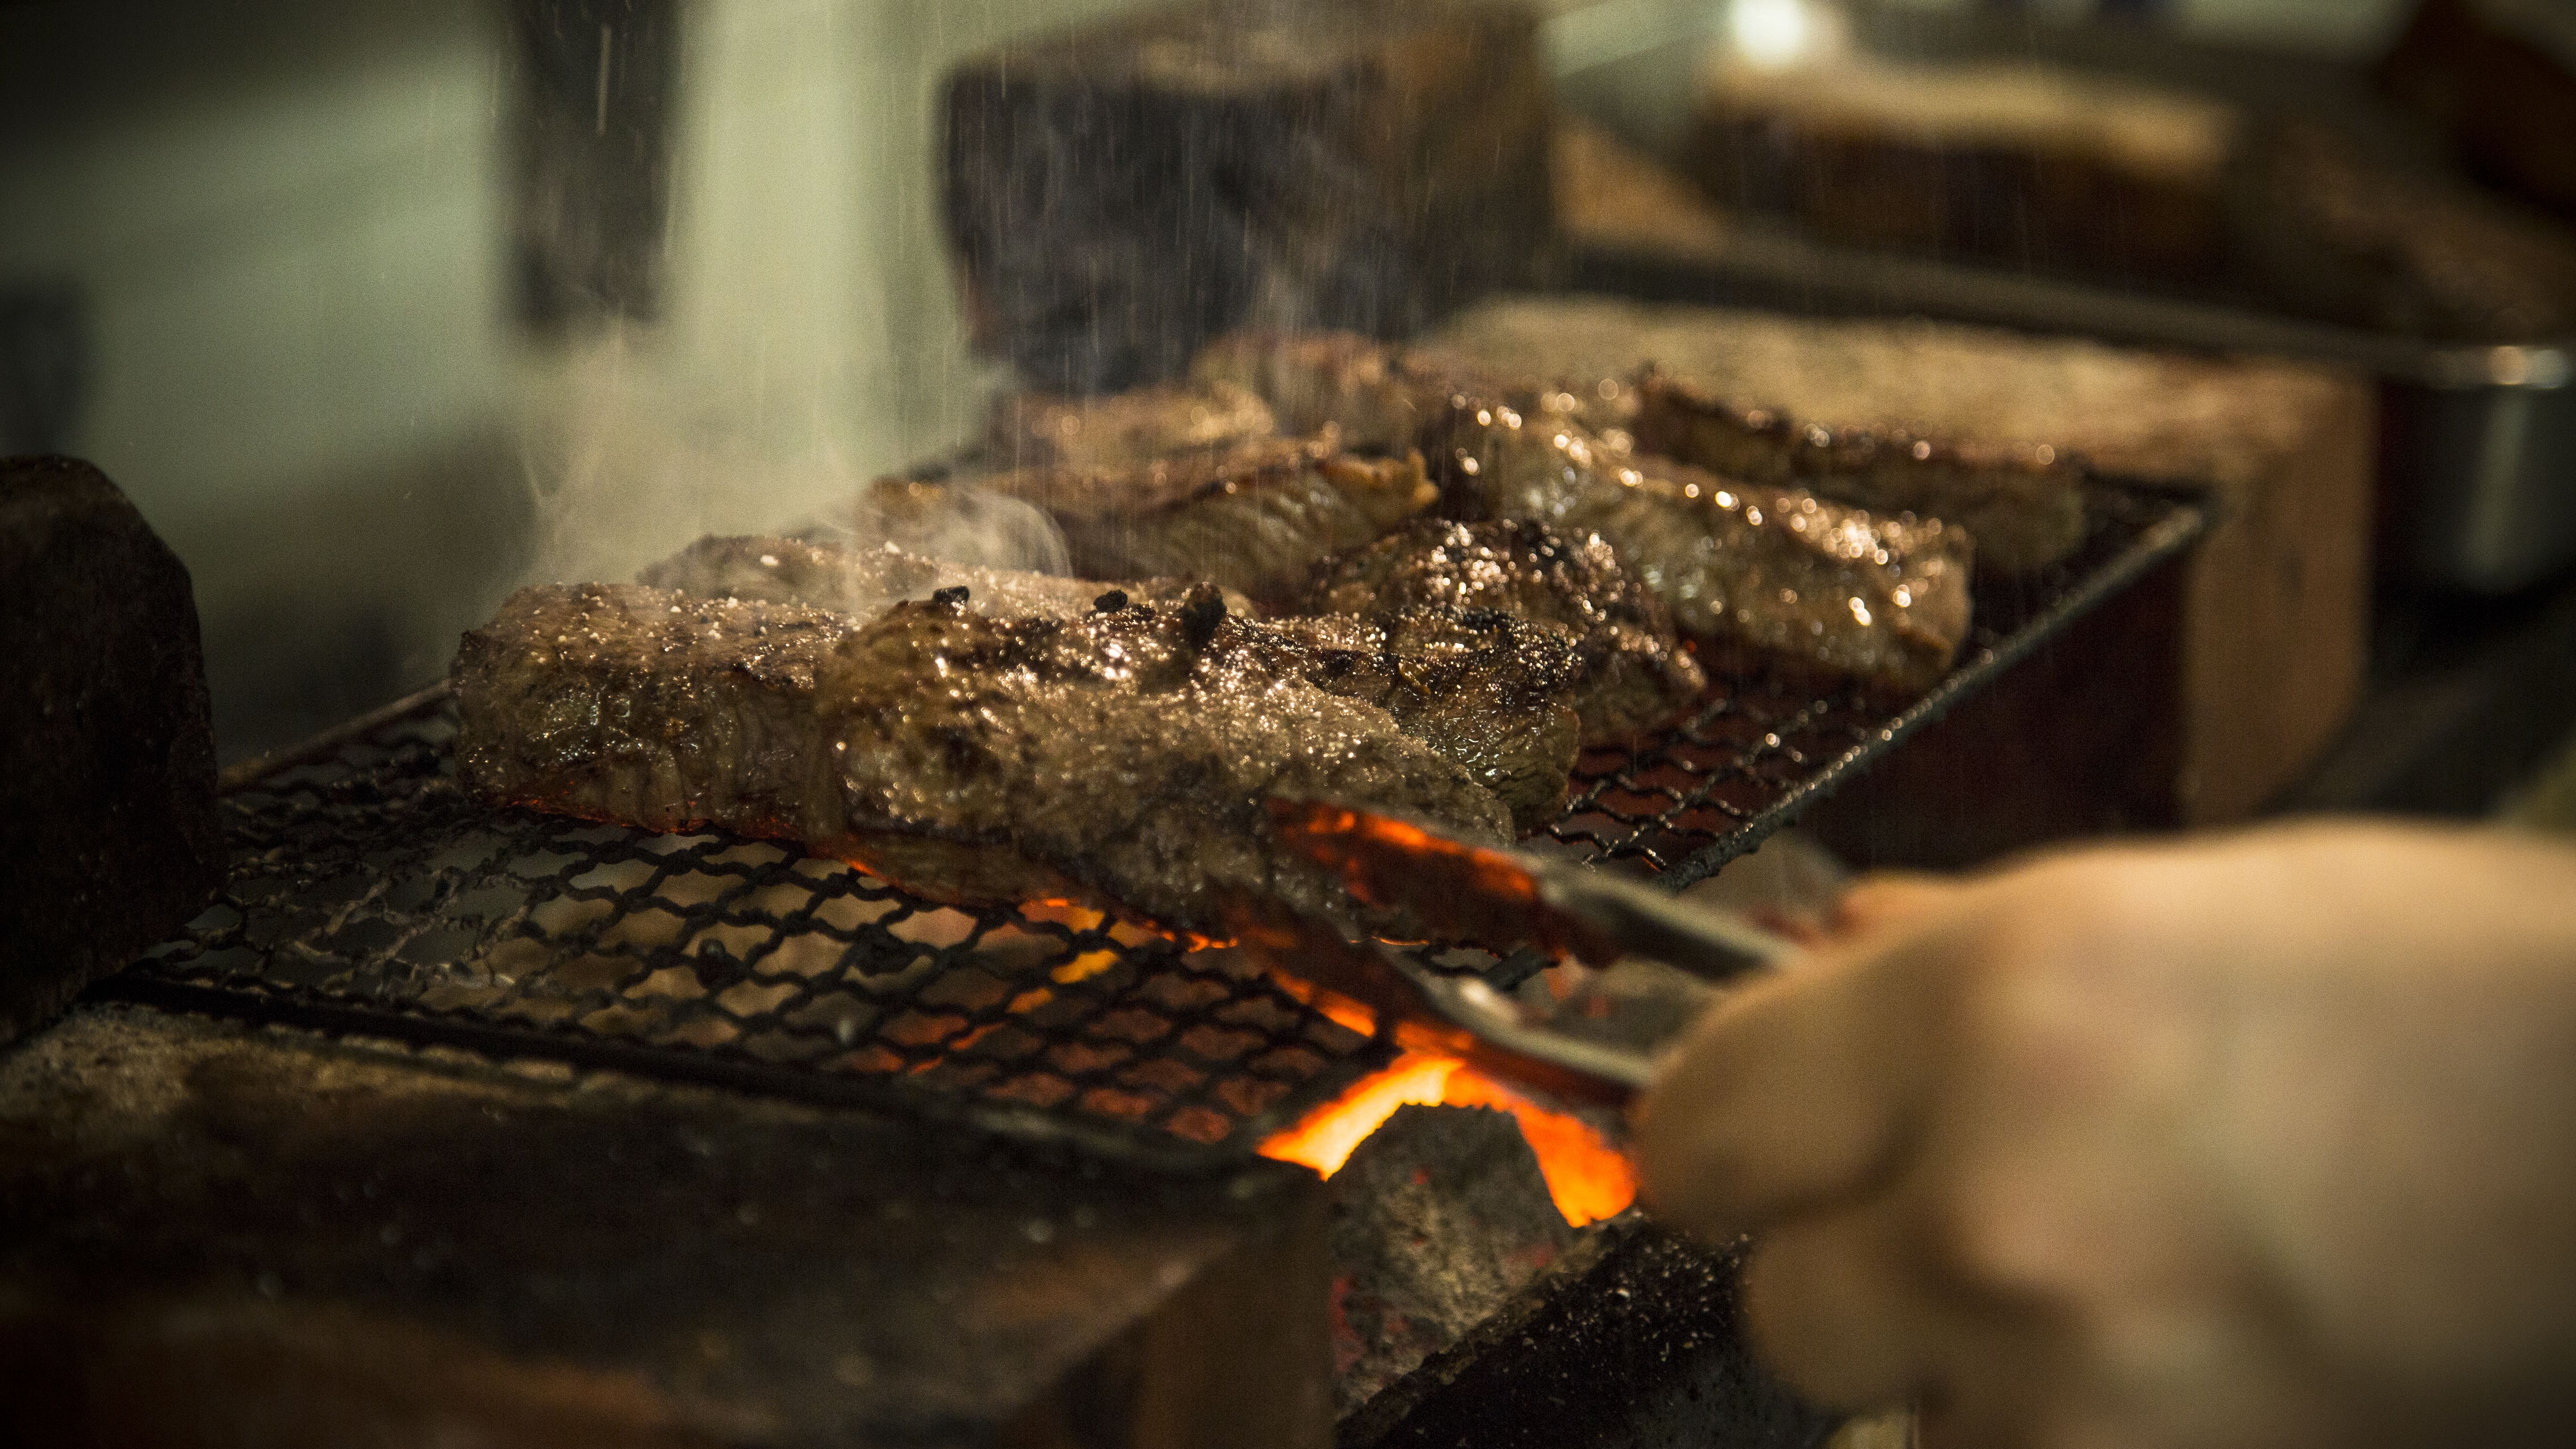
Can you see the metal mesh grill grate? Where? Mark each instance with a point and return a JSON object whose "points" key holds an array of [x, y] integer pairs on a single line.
{"points": [[369, 893], [371, 881], [1759, 751]]}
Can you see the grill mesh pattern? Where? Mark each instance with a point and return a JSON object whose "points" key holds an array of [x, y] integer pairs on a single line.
{"points": [[367, 883]]}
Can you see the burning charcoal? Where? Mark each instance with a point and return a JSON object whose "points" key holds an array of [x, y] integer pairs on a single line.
{"points": [[1119, 195], [1438, 1218], [107, 753]]}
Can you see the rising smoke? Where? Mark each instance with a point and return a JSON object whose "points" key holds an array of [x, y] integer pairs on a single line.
{"points": [[627, 464]]}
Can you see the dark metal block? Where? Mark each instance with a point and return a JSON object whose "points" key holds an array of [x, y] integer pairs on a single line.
{"points": [[107, 755], [218, 1235], [1119, 195]]}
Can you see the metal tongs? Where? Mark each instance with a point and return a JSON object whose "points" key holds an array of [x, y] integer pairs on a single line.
{"points": [[1492, 896]]}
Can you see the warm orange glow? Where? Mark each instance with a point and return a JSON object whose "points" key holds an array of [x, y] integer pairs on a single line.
{"points": [[1328, 1135], [1368, 849], [1084, 967], [1471, 892], [1331, 1005], [1588, 1178], [1063, 913]]}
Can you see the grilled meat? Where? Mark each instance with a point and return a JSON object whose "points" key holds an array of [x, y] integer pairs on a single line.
{"points": [[1383, 398], [1379, 397], [1632, 673], [2023, 505], [1767, 576], [1487, 689], [1522, 566], [1121, 757], [865, 582], [1256, 517], [1129, 427]]}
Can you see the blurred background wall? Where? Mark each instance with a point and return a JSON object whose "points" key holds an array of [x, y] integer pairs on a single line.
{"points": [[267, 264]]}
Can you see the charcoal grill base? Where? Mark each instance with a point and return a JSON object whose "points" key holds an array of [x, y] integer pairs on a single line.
{"points": [[210, 1233]]}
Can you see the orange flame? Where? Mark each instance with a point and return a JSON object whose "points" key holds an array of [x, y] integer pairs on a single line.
{"points": [[1588, 1178]]}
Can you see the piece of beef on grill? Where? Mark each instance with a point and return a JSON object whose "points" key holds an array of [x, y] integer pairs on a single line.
{"points": [[1035, 428], [1256, 517], [1489, 692], [1632, 672], [2023, 504], [1121, 757], [1768, 577], [1492, 691], [1385, 398], [866, 581]]}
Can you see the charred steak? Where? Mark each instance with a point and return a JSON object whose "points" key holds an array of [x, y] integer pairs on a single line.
{"points": [[1487, 689], [1256, 517], [1769, 576], [1632, 673], [1121, 757], [2024, 505], [1385, 398], [1379, 398]]}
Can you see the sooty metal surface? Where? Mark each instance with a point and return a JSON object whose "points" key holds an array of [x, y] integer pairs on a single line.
{"points": [[369, 894]]}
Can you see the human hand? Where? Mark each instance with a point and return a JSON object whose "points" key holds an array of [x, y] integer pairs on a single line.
{"points": [[2265, 1140]]}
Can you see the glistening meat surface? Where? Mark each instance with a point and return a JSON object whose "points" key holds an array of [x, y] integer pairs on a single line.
{"points": [[1120, 757], [1036, 429], [1256, 517], [1631, 673], [866, 581], [1489, 690], [1771, 576]]}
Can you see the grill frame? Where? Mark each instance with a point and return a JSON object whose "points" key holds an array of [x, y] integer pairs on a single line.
{"points": [[2137, 528], [1829, 741]]}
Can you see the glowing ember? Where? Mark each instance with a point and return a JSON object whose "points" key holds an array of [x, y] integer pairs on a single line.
{"points": [[1588, 1178], [1336, 1008]]}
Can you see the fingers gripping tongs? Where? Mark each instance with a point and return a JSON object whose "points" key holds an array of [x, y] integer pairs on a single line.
{"points": [[1497, 898]]}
